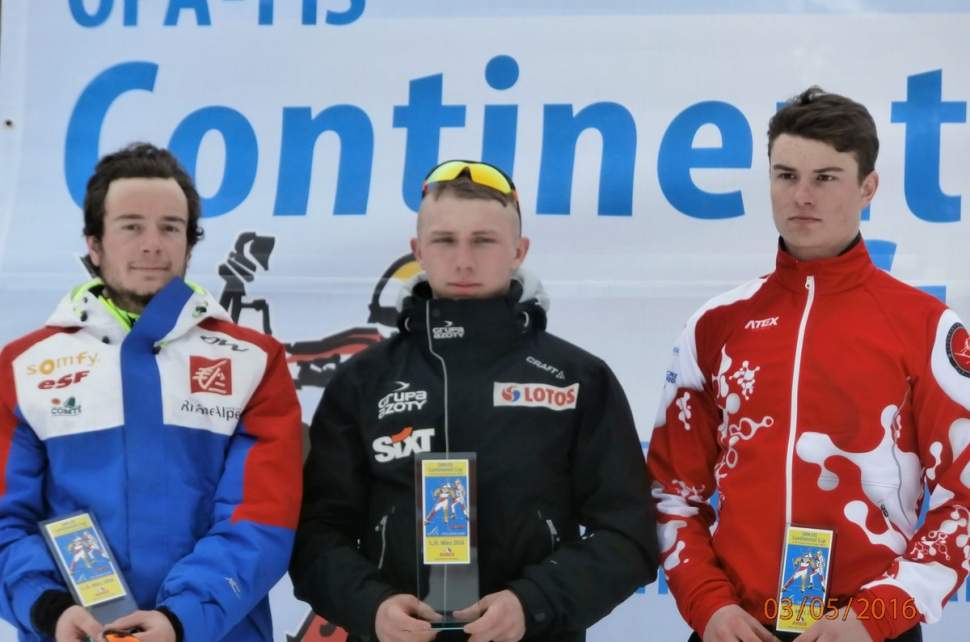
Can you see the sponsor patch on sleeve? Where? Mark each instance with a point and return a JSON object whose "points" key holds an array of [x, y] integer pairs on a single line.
{"points": [[535, 395], [958, 348]]}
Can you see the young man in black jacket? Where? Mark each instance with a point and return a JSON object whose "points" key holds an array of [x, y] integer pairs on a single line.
{"points": [[473, 369]]}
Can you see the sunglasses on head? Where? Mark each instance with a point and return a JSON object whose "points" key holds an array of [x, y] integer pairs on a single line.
{"points": [[477, 172]]}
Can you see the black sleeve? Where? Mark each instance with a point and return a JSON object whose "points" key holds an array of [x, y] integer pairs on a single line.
{"points": [[583, 581], [327, 569]]}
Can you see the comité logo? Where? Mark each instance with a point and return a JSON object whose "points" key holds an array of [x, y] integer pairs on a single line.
{"points": [[69, 408]]}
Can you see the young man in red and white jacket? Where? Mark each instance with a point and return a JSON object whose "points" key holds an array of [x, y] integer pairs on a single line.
{"points": [[823, 395]]}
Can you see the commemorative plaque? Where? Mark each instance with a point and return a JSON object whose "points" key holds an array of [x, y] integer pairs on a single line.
{"points": [[87, 565], [447, 542]]}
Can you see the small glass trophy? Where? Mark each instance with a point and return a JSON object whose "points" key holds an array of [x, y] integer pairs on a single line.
{"points": [[87, 566], [447, 543]]}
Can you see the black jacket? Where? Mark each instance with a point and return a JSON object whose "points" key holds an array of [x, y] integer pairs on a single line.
{"points": [[542, 472]]}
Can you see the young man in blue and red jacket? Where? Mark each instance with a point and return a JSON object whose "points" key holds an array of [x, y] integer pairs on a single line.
{"points": [[141, 402]]}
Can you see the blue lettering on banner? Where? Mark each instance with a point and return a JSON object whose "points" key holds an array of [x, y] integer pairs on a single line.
{"points": [[924, 113], [561, 130], [678, 156], [426, 114], [242, 154], [309, 13], [422, 118]]}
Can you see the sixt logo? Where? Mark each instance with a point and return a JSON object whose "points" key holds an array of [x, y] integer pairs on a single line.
{"points": [[63, 382], [401, 400], [403, 444], [448, 331], [761, 323], [535, 395], [553, 370], [69, 408], [48, 366]]}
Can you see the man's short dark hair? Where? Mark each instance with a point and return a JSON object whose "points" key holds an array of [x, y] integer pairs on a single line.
{"points": [[138, 160], [830, 118], [464, 187]]}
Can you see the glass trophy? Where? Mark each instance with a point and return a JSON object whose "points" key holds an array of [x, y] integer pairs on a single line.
{"points": [[447, 540], [87, 565]]}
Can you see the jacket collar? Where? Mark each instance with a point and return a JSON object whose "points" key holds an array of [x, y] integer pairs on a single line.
{"points": [[483, 327], [172, 312], [843, 272]]}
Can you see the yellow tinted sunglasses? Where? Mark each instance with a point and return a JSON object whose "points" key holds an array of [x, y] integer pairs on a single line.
{"points": [[478, 172]]}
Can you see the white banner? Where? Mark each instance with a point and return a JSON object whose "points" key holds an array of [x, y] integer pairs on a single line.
{"points": [[636, 137]]}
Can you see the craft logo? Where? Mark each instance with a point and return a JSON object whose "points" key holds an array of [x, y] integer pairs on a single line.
{"points": [[63, 382], [223, 343], [401, 400], [69, 408], [49, 366], [535, 395], [958, 348], [211, 375], [553, 370], [403, 444], [448, 331], [222, 412]]}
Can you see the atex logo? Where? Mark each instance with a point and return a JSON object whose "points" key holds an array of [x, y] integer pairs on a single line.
{"points": [[210, 375], [401, 400], [535, 395], [757, 324], [63, 382], [223, 343], [403, 444], [448, 331], [69, 408], [48, 366]]}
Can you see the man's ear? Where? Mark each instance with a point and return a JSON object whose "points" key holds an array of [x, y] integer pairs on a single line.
{"points": [[869, 186], [521, 250], [416, 250], [94, 250]]}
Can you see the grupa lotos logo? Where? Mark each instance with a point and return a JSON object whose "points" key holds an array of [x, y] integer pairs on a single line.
{"points": [[535, 395]]}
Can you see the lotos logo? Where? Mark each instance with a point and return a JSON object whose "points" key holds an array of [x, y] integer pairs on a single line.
{"points": [[403, 444], [210, 375], [958, 348], [511, 393], [69, 408], [401, 400], [448, 331], [535, 395], [63, 382], [48, 366]]}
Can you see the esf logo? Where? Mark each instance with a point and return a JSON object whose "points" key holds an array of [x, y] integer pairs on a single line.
{"points": [[535, 395], [63, 382], [401, 400], [403, 444], [48, 366], [448, 331]]}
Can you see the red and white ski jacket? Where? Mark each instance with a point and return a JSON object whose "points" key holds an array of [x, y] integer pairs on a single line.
{"points": [[822, 395]]}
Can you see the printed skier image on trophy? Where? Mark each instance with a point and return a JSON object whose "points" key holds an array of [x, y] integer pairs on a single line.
{"points": [[804, 578]]}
